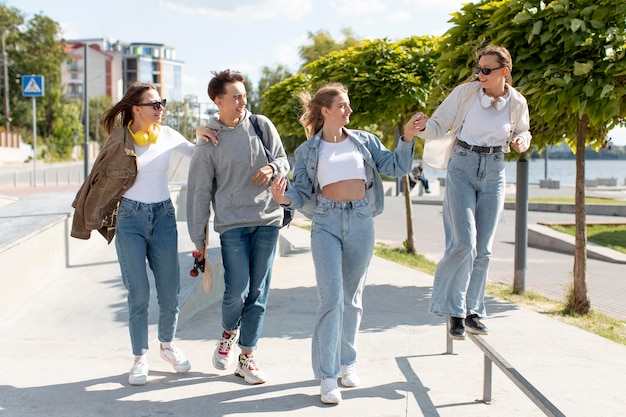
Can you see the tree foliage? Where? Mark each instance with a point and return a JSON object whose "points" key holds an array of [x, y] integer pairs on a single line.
{"points": [[322, 43], [569, 61], [386, 82]]}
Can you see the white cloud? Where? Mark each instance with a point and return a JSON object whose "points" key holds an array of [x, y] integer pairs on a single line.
{"points": [[287, 53], [270, 9], [360, 8], [399, 17]]}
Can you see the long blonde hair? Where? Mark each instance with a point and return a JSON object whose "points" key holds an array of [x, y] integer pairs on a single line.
{"points": [[312, 119]]}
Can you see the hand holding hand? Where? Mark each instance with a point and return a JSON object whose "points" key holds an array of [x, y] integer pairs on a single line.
{"points": [[279, 185], [416, 124]]}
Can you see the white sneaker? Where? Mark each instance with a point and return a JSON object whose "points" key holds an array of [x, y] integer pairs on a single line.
{"points": [[329, 391], [223, 355], [176, 358], [349, 377], [139, 372], [249, 371]]}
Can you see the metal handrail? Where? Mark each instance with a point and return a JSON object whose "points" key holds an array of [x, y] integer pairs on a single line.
{"points": [[491, 356]]}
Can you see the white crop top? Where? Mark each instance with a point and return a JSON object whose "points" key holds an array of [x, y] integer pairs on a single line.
{"points": [[339, 161]]}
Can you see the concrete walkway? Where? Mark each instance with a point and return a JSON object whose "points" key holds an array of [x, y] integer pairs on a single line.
{"points": [[66, 353]]}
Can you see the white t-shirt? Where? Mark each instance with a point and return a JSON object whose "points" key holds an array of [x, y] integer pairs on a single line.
{"points": [[487, 126], [339, 161], [153, 162]]}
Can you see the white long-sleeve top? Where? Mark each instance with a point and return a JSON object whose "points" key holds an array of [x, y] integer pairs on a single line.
{"points": [[451, 114]]}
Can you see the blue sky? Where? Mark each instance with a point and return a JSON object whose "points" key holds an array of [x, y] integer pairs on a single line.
{"points": [[212, 35]]}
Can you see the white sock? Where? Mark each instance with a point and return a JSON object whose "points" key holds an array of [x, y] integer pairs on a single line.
{"points": [[166, 345]]}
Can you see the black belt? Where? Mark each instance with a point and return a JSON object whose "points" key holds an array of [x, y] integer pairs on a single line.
{"points": [[480, 149]]}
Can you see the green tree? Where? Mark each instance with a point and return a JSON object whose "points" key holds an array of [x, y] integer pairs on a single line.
{"points": [[38, 50], [97, 107], [386, 82], [569, 61], [282, 105], [66, 129], [11, 20], [322, 43]]}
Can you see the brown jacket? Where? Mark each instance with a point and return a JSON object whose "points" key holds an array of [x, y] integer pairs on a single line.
{"points": [[97, 200]]}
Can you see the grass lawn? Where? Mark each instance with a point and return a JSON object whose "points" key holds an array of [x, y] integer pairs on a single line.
{"points": [[611, 236], [594, 322]]}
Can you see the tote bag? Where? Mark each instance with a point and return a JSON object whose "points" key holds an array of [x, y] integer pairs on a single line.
{"points": [[437, 152]]}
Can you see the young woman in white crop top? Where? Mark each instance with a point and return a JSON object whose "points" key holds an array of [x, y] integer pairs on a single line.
{"points": [[337, 183]]}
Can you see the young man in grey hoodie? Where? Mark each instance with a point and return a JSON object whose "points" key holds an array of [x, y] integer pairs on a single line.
{"points": [[232, 171]]}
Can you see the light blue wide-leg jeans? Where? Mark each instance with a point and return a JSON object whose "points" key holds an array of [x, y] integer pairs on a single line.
{"points": [[148, 231], [342, 243], [473, 203]]}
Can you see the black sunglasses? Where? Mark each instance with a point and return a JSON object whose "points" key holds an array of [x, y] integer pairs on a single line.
{"points": [[485, 71], [156, 105]]}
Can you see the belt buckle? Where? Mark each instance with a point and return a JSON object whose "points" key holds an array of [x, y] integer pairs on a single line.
{"points": [[490, 150]]}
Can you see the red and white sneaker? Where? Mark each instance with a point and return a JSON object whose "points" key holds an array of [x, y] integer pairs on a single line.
{"points": [[249, 371], [223, 355]]}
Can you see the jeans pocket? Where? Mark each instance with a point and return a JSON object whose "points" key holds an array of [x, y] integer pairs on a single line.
{"points": [[322, 209], [126, 210], [363, 210], [170, 211]]}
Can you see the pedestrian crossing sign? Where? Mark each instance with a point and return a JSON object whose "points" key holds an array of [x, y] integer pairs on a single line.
{"points": [[32, 86]]}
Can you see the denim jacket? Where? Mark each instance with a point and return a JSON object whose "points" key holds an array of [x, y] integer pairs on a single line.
{"points": [[378, 160]]}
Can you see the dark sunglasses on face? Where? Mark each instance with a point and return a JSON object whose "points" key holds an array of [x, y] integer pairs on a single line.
{"points": [[156, 105], [485, 71]]}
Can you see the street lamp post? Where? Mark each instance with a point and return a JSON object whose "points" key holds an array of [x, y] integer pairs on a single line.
{"points": [[7, 116]]}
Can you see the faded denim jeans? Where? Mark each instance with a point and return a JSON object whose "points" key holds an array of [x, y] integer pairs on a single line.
{"points": [[148, 231], [473, 203], [342, 242], [248, 256]]}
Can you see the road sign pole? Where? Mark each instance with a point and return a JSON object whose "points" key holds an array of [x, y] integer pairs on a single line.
{"points": [[33, 86], [34, 142]]}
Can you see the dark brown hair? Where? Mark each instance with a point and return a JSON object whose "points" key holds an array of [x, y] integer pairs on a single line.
{"points": [[124, 109], [312, 119], [217, 85]]}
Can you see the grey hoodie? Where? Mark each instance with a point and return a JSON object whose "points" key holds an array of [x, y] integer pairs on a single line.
{"points": [[221, 175]]}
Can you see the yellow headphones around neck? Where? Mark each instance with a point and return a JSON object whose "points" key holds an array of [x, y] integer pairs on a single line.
{"points": [[142, 138]]}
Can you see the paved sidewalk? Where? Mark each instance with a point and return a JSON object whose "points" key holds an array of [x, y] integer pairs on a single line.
{"points": [[67, 353]]}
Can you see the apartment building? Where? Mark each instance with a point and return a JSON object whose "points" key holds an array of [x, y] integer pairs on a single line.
{"points": [[113, 65]]}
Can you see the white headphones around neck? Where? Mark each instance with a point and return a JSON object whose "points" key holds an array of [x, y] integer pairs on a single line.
{"points": [[487, 101]]}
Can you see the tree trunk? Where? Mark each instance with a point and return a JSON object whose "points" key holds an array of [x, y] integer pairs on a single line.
{"points": [[579, 299], [410, 237]]}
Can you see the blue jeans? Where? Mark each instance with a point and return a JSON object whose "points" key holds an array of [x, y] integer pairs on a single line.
{"points": [[148, 231], [474, 199], [342, 242], [247, 256]]}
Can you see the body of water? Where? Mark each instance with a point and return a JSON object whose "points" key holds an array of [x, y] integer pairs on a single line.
{"points": [[563, 170]]}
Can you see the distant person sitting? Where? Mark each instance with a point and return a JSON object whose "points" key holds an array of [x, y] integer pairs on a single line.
{"points": [[418, 175]]}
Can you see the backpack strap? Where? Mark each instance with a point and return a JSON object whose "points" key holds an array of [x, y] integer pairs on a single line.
{"points": [[259, 133]]}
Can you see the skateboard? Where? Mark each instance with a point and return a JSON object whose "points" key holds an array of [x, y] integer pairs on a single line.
{"points": [[203, 265]]}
